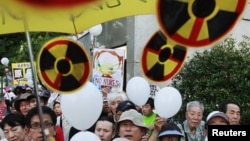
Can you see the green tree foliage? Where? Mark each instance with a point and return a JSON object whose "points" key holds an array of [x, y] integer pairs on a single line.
{"points": [[216, 75], [14, 46]]}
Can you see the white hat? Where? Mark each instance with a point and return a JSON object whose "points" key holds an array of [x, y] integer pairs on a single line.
{"points": [[133, 116], [120, 139], [217, 114]]}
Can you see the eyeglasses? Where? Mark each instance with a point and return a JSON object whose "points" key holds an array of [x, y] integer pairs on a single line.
{"points": [[37, 125]]}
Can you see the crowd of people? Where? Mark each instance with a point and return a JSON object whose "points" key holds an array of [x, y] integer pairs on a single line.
{"points": [[120, 119]]}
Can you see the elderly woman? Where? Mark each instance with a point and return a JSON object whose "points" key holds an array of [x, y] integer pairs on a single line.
{"points": [[193, 128], [131, 126], [113, 100]]}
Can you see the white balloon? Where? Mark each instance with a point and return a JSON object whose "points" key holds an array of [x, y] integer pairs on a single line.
{"points": [[83, 107], [167, 102], [5, 61], [96, 30], [138, 90], [85, 136]]}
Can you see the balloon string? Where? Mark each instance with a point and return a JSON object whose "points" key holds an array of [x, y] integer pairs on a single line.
{"points": [[34, 77], [74, 25]]}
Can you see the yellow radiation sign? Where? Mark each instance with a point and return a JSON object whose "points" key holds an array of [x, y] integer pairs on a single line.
{"points": [[198, 23], [161, 59], [63, 65]]}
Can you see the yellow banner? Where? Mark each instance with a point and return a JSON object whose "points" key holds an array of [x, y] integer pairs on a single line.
{"points": [[71, 20], [19, 71]]}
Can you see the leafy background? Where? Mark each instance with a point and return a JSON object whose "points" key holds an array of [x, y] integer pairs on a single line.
{"points": [[216, 75]]}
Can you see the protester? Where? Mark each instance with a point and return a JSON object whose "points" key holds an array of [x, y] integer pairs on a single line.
{"points": [[19, 90], [124, 106], [21, 104], [114, 99], [105, 108], [8, 97], [13, 126], [131, 126], [32, 100], [193, 128], [43, 97], [33, 125], [170, 132], [105, 128], [57, 108], [61, 120], [148, 114], [233, 111], [216, 118]]}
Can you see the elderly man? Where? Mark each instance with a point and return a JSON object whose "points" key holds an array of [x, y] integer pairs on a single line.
{"points": [[232, 110], [131, 126], [193, 127]]}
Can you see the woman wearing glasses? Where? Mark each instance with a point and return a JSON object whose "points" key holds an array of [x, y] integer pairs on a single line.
{"points": [[34, 129]]}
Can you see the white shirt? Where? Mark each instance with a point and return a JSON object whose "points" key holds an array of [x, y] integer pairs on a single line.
{"points": [[9, 96]]}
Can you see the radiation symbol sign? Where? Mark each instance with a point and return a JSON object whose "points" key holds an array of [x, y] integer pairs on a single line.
{"points": [[63, 65], [162, 60], [197, 23]]}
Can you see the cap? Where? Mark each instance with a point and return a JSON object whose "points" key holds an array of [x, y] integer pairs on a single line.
{"points": [[120, 139], [105, 99], [19, 89], [133, 116], [170, 132], [125, 105], [23, 97], [7, 88], [217, 114]]}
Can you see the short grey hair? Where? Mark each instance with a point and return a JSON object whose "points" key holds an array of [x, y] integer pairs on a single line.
{"points": [[195, 104], [114, 95]]}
